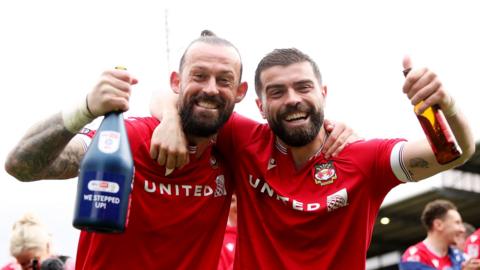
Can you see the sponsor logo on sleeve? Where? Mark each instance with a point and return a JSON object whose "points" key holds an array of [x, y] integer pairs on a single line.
{"points": [[220, 190], [84, 131], [337, 200]]}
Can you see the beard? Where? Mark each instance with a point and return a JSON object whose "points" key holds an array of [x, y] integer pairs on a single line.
{"points": [[299, 136], [204, 124]]}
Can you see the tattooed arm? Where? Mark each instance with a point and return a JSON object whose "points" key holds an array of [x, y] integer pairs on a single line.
{"points": [[47, 151], [424, 85]]}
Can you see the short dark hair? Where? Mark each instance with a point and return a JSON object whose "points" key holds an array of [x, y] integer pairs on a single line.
{"points": [[436, 209], [209, 37], [283, 57]]}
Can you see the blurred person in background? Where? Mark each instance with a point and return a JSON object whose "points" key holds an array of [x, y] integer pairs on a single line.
{"points": [[31, 246], [444, 226], [472, 245], [461, 240], [228, 249]]}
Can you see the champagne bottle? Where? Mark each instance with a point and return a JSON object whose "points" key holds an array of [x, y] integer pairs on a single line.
{"points": [[438, 132], [105, 179]]}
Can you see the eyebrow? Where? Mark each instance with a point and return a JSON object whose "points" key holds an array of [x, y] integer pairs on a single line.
{"points": [[271, 86], [228, 73], [303, 82], [202, 68], [279, 85]]}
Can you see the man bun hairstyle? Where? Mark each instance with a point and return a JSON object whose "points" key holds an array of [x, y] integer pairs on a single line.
{"points": [[207, 33], [209, 37]]}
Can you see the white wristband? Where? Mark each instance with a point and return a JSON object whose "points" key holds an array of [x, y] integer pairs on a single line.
{"points": [[76, 117]]}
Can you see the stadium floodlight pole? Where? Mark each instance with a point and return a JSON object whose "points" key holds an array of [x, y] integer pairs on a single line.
{"points": [[167, 44]]}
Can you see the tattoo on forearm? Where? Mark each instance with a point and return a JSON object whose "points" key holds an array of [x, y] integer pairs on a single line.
{"points": [[418, 163], [41, 154]]}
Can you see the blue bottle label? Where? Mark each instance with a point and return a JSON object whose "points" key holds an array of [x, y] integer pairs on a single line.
{"points": [[108, 141], [104, 196]]}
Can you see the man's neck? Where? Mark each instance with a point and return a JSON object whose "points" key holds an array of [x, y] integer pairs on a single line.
{"points": [[201, 143], [302, 154], [436, 244]]}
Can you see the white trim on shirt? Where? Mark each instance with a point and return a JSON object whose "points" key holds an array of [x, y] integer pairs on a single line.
{"points": [[397, 164]]}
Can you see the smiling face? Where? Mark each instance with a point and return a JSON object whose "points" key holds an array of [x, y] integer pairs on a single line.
{"points": [[292, 101], [208, 86]]}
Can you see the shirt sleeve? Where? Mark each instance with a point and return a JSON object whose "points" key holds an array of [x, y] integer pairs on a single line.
{"points": [[236, 133], [373, 159]]}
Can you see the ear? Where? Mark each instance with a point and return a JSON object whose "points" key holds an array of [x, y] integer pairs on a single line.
{"points": [[324, 91], [175, 82], [260, 107], [438, 224], [241, 91]]}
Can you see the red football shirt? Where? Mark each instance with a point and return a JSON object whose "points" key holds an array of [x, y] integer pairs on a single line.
{"points": [[228, 249], [175, 222], [420, 253], [318, 217], [472, 245]]}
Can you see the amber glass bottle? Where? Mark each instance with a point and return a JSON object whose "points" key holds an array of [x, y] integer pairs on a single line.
{"points": [[438, 132]]}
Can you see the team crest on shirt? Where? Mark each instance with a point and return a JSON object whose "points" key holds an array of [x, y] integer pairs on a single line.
{"points": [[325, 173]]}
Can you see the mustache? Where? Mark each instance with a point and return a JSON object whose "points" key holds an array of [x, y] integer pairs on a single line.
{"points": [[298, 107], [208, 98]]}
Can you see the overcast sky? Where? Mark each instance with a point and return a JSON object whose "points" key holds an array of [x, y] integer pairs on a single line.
{"points": [[52, 53]]}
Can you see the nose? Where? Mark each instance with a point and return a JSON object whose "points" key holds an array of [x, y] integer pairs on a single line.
{"points": [[211, 87], [292, 97]]}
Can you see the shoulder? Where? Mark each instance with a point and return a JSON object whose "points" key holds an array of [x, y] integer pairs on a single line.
{"points": [[141, 125], [243, 130], [373, 144], [11, 266], [415, 253], [456, 255], [239, 121], [142, 121], [474, 237]]}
